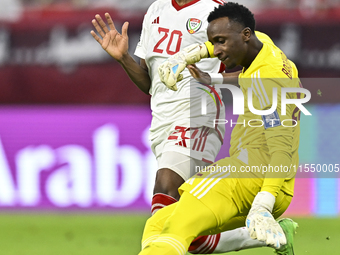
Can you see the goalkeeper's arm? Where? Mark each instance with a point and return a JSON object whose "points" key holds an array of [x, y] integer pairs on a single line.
{"points": [[260, 222], [170, 70]]}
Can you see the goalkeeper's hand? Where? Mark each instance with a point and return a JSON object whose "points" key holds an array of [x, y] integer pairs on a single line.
{"points": [[261, 223], [170, 70]]}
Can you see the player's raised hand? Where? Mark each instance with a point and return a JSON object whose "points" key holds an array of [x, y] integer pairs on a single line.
{"points": [[110, 39], [200, 76]]}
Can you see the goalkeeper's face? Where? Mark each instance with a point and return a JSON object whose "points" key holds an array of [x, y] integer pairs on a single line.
{"points": [[229, 40]]}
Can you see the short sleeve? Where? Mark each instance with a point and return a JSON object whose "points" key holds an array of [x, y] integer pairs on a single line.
{"points": [[141, 49]]}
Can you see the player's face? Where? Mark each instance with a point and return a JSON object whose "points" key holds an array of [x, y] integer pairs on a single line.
{"points": [[228, 40]]}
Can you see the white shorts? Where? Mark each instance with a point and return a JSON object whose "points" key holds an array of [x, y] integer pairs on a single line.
{"points": [[181, 164], [185, 148]]}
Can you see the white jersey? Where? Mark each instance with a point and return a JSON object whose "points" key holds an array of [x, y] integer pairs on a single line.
{"points": [[168, 28]]}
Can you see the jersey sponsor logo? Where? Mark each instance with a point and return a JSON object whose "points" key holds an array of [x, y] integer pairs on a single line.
{"points": [[193, 25], [271, 120]]}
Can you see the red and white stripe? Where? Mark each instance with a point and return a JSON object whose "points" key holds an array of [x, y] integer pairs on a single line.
{"points": [[207, 244], [221, 2], [160, 200]]}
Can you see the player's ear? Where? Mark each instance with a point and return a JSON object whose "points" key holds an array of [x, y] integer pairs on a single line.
{"points": [[246, 33]]}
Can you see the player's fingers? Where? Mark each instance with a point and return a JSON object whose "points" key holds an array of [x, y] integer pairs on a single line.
{"points": [[166, 73], [282, 237], [278, 232], [171, 79], [125, 29], [252, 233], [272, 239], [193, 71], [162, 69], [110, 21], [260, 233], [96, 37], [98, 28], [174, 88], [193, 66], [251, 228], [102, 23]]}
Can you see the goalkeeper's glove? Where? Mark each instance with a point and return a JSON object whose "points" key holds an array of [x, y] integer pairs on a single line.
{"points": [[261, 223], [170, 70]]}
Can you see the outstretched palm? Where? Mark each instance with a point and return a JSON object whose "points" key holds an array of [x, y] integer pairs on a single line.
{"points": [[112, 41], [198, 74]]}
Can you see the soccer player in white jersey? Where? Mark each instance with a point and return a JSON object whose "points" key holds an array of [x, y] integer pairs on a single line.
{"points": [[181, 137]]}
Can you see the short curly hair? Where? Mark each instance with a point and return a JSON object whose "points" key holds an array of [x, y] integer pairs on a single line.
{"points": [[235, 12]]}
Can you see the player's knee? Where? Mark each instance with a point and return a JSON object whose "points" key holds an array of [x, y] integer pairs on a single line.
{"points": [[167, 182]]}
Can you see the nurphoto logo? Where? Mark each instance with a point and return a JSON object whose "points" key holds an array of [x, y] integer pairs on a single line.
{"points": [[270, 117]]}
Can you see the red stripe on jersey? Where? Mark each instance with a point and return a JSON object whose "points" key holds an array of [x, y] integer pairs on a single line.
{"points": [[194, 134], [178, 8], [219, 2], [205, 138], [222, 68], [193, 147], [219, 134], [203, 145], [199, 144], [206, 132], [207, 161], [201, 135]]}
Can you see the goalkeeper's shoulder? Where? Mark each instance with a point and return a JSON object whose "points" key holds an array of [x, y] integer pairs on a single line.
{"points": [[264, 38]]}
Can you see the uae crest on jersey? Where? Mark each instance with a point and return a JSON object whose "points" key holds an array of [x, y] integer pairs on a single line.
{"points": [[193, 25]]}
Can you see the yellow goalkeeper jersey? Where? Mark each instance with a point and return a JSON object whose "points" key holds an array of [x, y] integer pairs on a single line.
{"points": [[278, 137]]}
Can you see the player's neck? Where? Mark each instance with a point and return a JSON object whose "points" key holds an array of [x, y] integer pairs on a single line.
{"points": [[255, 47], [183, 2]]}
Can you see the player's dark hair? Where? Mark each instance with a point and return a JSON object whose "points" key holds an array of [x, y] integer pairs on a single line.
{"points": [[235, 12]]}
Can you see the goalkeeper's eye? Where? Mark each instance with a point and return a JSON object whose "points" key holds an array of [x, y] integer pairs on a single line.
{"points": [[221, 41]]}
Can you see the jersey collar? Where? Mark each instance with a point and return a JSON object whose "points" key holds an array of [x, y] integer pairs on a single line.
{"points": [[178, 8]]}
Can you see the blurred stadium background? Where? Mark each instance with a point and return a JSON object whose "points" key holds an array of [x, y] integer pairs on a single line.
{"points": [[76, 170]]}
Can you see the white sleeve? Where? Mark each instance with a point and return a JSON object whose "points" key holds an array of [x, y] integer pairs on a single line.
{"points": [[141, 49]]}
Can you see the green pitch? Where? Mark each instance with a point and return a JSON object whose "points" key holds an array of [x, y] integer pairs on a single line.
{"points": [[112, 234]]}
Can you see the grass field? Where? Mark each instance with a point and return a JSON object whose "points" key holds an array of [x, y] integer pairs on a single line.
{"points": [[111, 234]]}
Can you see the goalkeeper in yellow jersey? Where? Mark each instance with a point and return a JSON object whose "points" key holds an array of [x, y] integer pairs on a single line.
{"points": [[255, 185]]}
